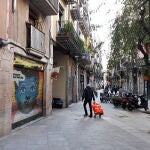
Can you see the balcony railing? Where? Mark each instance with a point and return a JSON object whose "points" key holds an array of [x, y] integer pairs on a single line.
{"points": [[68, 38], [84, 26], [47, 7], [35, 40], [85, 59], [75, 13]]}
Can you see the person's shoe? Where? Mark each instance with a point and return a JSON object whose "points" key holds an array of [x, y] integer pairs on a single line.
{"points": [[85, 115], [90, 116]]}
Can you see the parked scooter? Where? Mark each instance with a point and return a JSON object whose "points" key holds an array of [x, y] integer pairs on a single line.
{"points": [[133, 103], [104, 98], [143, 102], [117, 101]]}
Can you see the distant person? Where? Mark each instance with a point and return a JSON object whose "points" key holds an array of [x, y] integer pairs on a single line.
{"points": [[87, 97], [121, 91], [116, 89]]}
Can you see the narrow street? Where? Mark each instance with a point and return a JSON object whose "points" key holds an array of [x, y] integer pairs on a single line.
{"points": [[50, 51], [67, 129]]}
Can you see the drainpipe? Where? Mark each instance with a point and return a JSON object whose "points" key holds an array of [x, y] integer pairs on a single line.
{"points": [[77, 81], [77, 76]]}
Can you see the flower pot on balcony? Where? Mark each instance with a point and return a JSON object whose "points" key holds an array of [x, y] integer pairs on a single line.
{"points": [[66, 29], [68, 26]]}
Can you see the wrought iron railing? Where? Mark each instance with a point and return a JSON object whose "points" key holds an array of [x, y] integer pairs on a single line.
{"points": [[84, 25], [65, 28], [75, 12]]}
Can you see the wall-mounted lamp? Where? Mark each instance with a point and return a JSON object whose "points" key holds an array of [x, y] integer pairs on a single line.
{"points": [[77, 77]]}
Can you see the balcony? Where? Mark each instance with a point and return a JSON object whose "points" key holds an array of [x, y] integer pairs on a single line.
{"points": [[75, 13], [35, 41], [85, 59], [68, 38], [46, 7], [84, 26], [89, 69]]}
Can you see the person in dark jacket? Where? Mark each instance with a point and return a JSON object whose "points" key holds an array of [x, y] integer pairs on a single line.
{"points": [[87, 97]]}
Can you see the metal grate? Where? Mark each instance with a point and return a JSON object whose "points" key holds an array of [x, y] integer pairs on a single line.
{"points": [[75, 13]]}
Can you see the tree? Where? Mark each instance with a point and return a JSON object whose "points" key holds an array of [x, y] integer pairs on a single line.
{"points": [[128, 31]]}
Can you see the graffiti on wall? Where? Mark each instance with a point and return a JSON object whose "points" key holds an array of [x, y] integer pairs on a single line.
{"points": [[27, 93]]}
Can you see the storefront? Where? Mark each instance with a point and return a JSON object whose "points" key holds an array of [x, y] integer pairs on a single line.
{"points": [[27, 91], [147, 87]]}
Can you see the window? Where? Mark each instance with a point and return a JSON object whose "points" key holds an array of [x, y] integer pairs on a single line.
{"points": [[33, 18], [35, 36], [61, 15]]}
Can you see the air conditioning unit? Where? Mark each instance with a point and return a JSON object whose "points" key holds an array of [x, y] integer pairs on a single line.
{"points": [[35, 41]]}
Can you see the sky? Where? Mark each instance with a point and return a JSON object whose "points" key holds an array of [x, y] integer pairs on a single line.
{"points": [[103, 13]]}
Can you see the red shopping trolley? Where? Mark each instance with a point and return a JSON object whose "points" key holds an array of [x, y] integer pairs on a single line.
{"points": [[98, 110]]}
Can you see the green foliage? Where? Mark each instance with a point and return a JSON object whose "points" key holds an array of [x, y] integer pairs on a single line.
{"points": [[127, 31], [93, 50], [90, 51], [146, 71], [82, 45], [68, 26]]}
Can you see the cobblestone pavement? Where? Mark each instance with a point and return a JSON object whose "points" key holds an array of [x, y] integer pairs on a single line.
{"points": [[67, 129]]}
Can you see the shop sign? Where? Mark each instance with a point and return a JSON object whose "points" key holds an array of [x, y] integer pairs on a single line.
{"points": [[55, 73]]}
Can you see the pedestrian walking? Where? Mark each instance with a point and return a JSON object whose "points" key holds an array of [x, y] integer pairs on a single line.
{"points": [[87, 97]]}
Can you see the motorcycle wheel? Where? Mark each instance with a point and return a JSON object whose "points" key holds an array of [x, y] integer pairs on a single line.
{"points": [[130, 108], [115, 105], [145, 108], [123, 106]]}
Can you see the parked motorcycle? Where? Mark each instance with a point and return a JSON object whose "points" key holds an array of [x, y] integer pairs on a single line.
{"points": [[117, 101], [125, 100], [143, 102], [104, 98], [133, 103]]}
